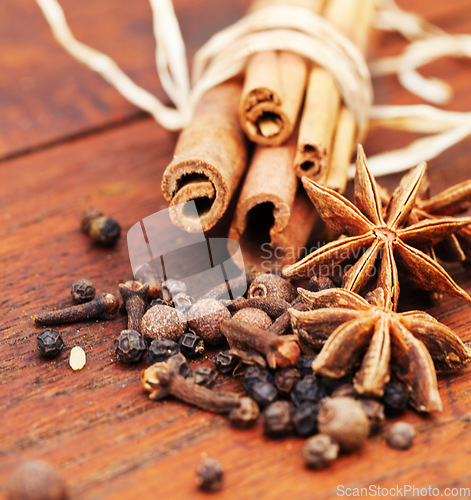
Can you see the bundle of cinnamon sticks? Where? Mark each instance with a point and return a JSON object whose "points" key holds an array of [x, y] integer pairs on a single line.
{"points": [[281, 120]]}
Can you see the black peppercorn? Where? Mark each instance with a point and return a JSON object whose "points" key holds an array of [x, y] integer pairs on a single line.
{"points": [[253, 375], [286, 379], [308, 389], [130, 346], [304, 365], [102, 229], [277, 419], [320, 451], [305, 419], [161, 349], [209, 475], [82, 291], [204, 375], [50, 343], [395, 398], [264, 393], [191, 345], [225, 362]]}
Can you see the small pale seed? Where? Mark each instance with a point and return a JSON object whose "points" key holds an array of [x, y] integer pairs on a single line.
{"points": [[77, 358]]}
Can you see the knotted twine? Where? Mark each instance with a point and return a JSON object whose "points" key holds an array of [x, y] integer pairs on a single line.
{"points": [[297, 30]]}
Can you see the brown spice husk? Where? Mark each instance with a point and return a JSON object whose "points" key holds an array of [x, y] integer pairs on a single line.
{"points": [[274, 88], [209, 160]]}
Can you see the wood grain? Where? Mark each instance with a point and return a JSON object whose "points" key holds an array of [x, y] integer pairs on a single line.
{"points": [[97, 426]]}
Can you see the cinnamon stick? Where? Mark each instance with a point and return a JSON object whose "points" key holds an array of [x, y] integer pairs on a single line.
{"points": [[209, 160], [322, 109], [274, 88]]}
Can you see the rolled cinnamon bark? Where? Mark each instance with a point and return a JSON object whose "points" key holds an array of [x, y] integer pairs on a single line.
{"points": [[209, 160], [274, 88], [321, 111]]}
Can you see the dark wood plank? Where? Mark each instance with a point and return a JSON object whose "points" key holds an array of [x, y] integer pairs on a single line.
{"points": [[45, 95], [97, 426]]}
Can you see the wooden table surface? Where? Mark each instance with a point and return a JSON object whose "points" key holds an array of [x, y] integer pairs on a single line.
{"points": [[68, 141]]}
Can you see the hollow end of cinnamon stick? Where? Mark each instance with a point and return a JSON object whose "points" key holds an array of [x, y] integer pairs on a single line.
{"points": [[272, 96], [209, 160]]}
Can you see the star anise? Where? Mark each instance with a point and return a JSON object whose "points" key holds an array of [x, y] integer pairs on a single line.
{"points": [[372, 237], [353, 328]]}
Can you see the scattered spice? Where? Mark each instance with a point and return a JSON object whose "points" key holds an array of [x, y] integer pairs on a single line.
{"points": [[35, 480], [400, 436], [161, 350], [82, 291], [134, 295], [205, 318], [191, 345], [271, 285], [253, 316], [286, 380], [245, 414], [163, 322], [225, 362], [50, 343], [278, 351], [209, 475], [255, 374], [103, 230], [130, 346], [395, 398], [77, 358], [320, 451], [273, 306], [304, 419], [104, 306], [277, 419], [204, 375], [263, 393], [309, 389], [344, 420]]}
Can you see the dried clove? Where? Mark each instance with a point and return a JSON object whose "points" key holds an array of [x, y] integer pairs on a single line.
{"points": [[103, 230], [162, 379], [103, 306], [279, 352], [82, 291], [134, 296]]}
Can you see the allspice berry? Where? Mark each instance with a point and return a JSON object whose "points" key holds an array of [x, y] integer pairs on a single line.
{"points": [[35, 480], [320, 451], [253, 316], [163, 322], [205, 318], [344, 420], [400, 436], [271, 285]]}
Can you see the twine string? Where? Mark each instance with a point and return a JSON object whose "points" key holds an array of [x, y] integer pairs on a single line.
{"points": [[297, 30]]}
